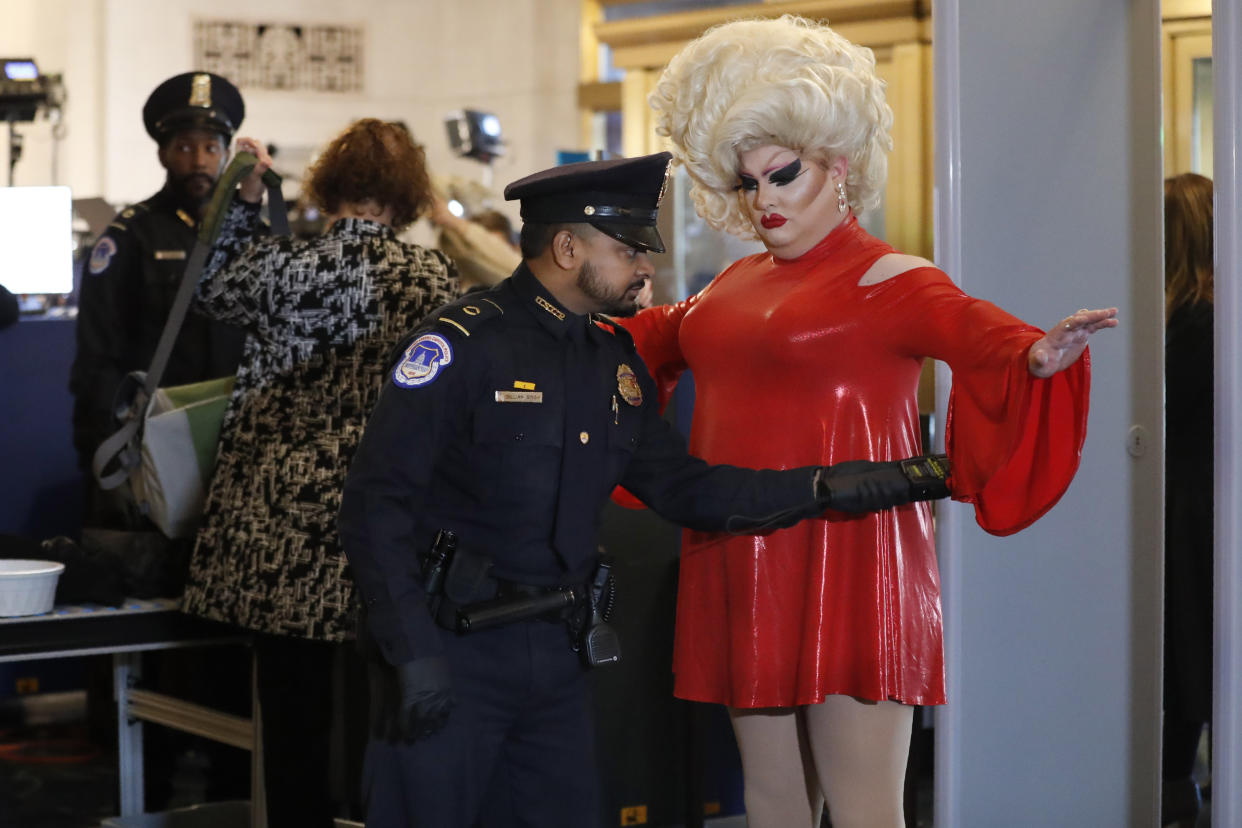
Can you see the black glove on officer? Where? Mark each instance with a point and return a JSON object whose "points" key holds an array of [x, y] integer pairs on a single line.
{"points": [[867, 486], [425, 700]]}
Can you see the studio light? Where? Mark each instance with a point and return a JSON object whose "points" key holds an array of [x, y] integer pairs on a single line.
{"points": [[474, 134], [22, 89]]}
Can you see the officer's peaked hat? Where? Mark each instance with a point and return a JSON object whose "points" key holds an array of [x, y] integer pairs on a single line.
{"points": [[619, 197], [194, 100]]}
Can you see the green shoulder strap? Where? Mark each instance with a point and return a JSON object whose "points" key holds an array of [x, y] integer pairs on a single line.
{"points": [[125, 445]]}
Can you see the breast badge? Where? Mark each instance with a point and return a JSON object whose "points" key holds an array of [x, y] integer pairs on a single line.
{"points": [[423, 361], [627, 384]]}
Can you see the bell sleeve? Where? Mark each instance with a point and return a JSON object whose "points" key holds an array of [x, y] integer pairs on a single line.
{"points": [[1014, 439]]}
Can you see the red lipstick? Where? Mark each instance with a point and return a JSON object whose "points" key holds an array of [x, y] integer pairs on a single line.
{"points": [[774, 220]]}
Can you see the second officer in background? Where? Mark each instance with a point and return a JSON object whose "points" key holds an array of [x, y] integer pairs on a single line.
{"points": [[135, 268], [129, 286]]}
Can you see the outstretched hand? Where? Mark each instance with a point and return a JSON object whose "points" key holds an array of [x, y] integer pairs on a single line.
{"points": [[1064, 343], [252, 187]]}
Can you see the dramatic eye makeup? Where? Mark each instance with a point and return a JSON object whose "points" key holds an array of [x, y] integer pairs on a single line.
{"points": [[779, 177], [786, 173]]}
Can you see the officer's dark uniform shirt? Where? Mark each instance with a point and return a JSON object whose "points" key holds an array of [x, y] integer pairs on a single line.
{"points": [[510, 420], [127, 291]]}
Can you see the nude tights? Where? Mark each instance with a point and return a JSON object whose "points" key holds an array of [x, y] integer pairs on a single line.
{"points": [[851, 752]]}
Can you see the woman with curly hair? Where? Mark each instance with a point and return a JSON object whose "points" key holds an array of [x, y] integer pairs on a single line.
{"points": [[822, 637], [321, 315]]}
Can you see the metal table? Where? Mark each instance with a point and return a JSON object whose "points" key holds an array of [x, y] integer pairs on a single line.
{"points": [[125, 633]]}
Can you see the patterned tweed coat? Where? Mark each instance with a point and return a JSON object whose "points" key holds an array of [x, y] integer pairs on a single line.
{"points": [[322, 316]]}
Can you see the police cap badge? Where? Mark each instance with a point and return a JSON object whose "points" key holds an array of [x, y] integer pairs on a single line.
{"points": [[193, 100]]}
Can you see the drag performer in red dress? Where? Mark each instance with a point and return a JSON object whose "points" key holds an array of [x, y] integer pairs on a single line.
{"points": [[821, 637]]}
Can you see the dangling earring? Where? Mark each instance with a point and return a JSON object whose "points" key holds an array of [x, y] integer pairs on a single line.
{"points": [[842, 203]]}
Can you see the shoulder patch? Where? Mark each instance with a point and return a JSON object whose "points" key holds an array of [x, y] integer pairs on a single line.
{"points": [[467, 314], [423, 361], [101, 255]]}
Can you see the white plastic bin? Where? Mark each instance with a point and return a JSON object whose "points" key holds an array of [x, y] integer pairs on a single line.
{"points": [[28, 587]]}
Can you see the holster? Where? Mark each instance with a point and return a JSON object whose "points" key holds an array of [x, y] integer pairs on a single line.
{"points": [[467, 581]]}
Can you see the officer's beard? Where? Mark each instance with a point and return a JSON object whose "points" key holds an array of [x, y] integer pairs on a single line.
{"points": [[192, 192], [613, 303]]}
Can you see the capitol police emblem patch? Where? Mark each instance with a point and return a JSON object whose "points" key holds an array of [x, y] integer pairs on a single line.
{"points": [[423, 361], [627, 384], [101, 255]]}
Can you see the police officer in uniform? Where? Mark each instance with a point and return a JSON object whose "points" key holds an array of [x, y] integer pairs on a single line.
{"points": [[127, 291], [135, 268], [509, 417]]}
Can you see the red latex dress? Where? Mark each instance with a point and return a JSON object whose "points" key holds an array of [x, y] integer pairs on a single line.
{"points": [[795, 364]]}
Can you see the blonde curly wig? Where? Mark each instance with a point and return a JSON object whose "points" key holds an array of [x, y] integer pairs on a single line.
{"points": [[789, 82]]}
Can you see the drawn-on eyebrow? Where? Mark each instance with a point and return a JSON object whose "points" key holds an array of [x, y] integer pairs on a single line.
{"points": [[779, 177], [787, 173]]}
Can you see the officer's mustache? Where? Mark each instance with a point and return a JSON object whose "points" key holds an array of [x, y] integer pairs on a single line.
{"points": [[194, 188]]}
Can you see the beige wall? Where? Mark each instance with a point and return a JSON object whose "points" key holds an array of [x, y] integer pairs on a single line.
{"points": [[62, 36], [516, 58]]}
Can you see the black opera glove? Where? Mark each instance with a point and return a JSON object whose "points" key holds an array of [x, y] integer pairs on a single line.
{"points": [[426, 697], [867, 486]]}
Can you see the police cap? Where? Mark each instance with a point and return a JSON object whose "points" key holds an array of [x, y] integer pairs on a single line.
{"points": [[619, 197], [194, 100]]}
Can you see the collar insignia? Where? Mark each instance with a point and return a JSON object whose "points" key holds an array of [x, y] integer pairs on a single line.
{"points": [[550, 308]]}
